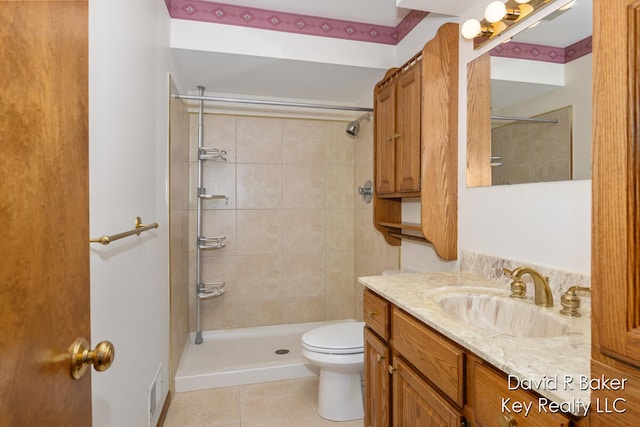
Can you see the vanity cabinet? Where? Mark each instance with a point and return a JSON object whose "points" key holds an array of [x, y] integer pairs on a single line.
{"points": [[415, 376], [397, 101], [615, 279], [416, 145]]}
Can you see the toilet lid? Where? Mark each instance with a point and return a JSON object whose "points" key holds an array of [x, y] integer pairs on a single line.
{"points": [[337, 338]]}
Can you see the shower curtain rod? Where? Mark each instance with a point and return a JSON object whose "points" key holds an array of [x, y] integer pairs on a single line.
{"points": [[266, 102]]}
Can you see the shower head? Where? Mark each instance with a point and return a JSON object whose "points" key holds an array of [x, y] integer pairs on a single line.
{"points": [[353, 128]]}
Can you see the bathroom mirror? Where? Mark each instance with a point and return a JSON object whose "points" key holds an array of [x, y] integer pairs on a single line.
{"points": [[529, 104]]}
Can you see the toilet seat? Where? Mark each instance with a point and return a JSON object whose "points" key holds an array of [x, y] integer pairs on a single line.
{"points": [[338, 338]]}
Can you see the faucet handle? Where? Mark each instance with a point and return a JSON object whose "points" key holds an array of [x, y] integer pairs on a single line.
{"points": [[518, 288], [570, 301]]}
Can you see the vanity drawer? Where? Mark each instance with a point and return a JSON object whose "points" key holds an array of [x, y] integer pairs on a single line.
{"points": [[433, 355], [376, 313], [488, 391]]}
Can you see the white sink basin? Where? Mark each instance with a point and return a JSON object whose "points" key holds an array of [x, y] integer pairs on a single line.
{"points": [[504, 315]]}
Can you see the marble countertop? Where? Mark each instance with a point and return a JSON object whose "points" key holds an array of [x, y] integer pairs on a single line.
{"points": [[554, 367]]}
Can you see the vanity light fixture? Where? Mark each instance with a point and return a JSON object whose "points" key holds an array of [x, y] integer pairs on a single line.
{"points": [[498, 16]]}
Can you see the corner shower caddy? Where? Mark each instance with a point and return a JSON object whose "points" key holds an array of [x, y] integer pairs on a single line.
{"points": [[205, 290]]}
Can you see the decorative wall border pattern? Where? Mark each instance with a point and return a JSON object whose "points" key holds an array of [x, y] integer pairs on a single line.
{"points": [[220, 13], [537, 52]]}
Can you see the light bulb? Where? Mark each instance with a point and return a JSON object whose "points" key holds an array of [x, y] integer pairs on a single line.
{"points": [[471, 29], [522, 1], [495, 11], [568, 5]]}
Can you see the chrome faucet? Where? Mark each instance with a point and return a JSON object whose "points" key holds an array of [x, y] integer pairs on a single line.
{"points": [[543, 294]]}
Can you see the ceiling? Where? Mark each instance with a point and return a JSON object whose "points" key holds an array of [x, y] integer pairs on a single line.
{"points": [[263, 77]]}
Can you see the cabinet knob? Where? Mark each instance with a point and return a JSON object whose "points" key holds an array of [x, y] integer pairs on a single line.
{"points": [[371, 313], [392, 369], [390, 139], [379, 357], [396, 135]]}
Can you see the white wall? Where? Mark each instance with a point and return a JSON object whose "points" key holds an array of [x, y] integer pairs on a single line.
{"points": [[128, 97]]}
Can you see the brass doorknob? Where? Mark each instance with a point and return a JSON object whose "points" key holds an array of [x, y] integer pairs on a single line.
{"points": [[81, 356]]}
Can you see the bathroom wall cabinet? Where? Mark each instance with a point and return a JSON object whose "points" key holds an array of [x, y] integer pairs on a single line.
{"points": [[415, 150], [615, 257], [398, 99], [415, 376]]}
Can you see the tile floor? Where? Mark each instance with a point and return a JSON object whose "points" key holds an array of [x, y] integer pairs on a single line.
{"points": [[288, 403]]}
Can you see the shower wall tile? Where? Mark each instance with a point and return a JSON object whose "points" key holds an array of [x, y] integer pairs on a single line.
{"points": [[259, 140], [289, 222], [305, 230], [218, 132], [258, 313], [303, 142], [340, 187], [339, 230], [218, 178], [259, 232], [309, 309], [340, 273], [339, 146], [303, 186], [304, 275], [341, 306], [259, 186], [259, 277]]}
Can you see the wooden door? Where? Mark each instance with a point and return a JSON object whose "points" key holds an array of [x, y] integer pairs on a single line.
{"points": [[408, 143], [44, 212], [376, 381], [616, 211], [416, 404], [385, 142]]}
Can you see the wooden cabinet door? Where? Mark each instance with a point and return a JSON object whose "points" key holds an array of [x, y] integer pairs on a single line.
{"points": [[416, 404], [408, 117], [376, 381], [385, 142], [616, 208]]}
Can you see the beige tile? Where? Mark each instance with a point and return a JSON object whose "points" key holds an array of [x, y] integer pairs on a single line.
{"points": [[259, 232], [258, 313], [259, 277], [218, 223], [303, 141], [219, 131], [306, 309], [340, 270], [340, 186], [300, 419], [340, 306], [219, 178], [272, 400], [259, 186], [303, 186], [304, 275], [220, 269], [304, 230], [339, 144], [259, 140], [340, 229], [214, 407]]}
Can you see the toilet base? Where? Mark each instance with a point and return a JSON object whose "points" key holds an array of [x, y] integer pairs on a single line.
{"points": [[340, 396]]}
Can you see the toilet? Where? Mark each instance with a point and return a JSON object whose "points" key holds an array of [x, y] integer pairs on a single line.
{"points": [[338, 350]]}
